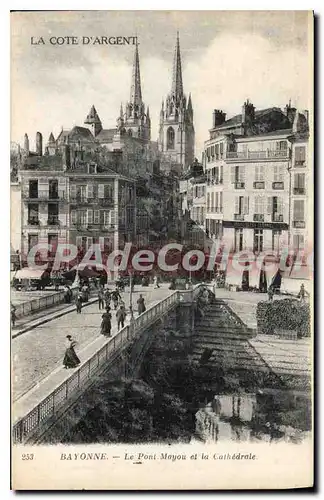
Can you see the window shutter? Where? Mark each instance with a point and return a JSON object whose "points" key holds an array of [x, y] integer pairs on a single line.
{"points": [[263, 202], [233, 176], [90, 216], [102, 242], [221, 201], [73, 191], [269, 205], [106, 219], [237, 205], [280, 205], [217, 202], [213, 202], [74, 216], [78, 241], [221, 174], [242, 173], [101, 191], [112, 216], [89, 242], [96, 217], [90, 191], [262, 173], [208, 202], [246, 204], [256, 173]]}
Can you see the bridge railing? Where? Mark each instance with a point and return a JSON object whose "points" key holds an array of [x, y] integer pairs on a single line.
{"points": [[47, 408]]}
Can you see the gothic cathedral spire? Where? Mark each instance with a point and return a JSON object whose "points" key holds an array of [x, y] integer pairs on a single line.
{"points": [[176, 132], [177, 87], [137, 123]]}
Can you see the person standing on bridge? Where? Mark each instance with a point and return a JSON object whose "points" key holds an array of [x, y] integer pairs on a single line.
{"points": [[101, 301], [70, 360], [115, 295], [107, 297], [141, 304], [78, 303], [106, 323], [121, 315], [13, 315]]}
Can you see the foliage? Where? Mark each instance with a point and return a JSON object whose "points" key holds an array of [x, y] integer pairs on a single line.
{"points": [[286, 314]]}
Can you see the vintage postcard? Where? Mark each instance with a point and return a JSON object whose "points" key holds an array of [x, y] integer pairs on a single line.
{"points": [[162, 250]]}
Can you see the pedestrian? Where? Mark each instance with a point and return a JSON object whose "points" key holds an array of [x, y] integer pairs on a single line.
{"points": [[13, 315], [270, 293], [107, 297], [67, 294], [121, 315], [115, 295], [156, 282], [101, 301], [78, 303], [70, 360], [141, 304], [106, 323], [302, 293]]}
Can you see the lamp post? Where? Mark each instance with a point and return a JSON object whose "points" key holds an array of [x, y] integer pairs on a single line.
{"points": [[131, 297]]}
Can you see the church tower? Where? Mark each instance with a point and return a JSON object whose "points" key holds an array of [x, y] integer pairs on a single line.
{"points": [[94, 121], [176, 132], [137, 120]]}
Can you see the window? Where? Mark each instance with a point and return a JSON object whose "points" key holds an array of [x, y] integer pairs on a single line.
{"points": [[81, 192], [83, 217], [92, 168], [221, 201], [217, 151], [221, 175], [238, 174], [281, 145], [216, 203], [212, 202], [258, 240], [298, 242], [33, 189], [238, 241], [101, 191], [241, 205], [216, 175], [300, 156], [73, 191], [108, 190], [33, 214], [299, 210], [259, 205], [52, 240], [90, 216], [208, 202], [53, 189], [90, 191], [107, 218], [276, 240], [221, 149], [170, 138], [96, 217], [53, 213], [259, 173], [74, 218], [212, 151], [299, 184], [278, 174], [32, 241]]}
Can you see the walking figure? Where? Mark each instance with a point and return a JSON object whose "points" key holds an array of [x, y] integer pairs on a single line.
{"points": [[13, 315], [107, 297], [270, 293], [141, 304], [78, 303], [302, 293], [121, 315], [106, 323], [101, 301], [70, 360], [115, 295], [156, 282]]}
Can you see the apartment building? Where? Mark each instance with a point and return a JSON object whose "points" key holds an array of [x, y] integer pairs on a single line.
{"points": [[248, 161]]}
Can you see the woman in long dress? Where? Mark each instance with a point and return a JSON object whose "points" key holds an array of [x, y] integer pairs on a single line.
{"points": [[70, 360], [141, 304], [106, 323]]}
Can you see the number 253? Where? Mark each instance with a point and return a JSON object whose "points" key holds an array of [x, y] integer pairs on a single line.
{"points": [[27, 456]]}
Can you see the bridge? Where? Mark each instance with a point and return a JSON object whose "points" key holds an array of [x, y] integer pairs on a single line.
{"points": [[38, 407]]}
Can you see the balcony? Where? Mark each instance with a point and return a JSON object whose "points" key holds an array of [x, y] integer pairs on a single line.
{"points": [[53, 220], [278, 185], [105, 202], [239, 185], [80, 199], [238, 217], [268, 154], [299, 190], [299, 224], [258, 185], [277, 217], [33, 221], [258, 217], [43, 195]]}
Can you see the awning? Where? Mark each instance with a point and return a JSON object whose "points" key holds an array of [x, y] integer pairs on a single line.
{"points": [[28, 273]]}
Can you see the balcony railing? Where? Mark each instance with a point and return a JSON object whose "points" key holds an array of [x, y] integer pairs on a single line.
{"points": [[258, 155], [238, 217], [258, 217], [278, 185], [78, 226], [277, 217], [239, 185], [33, 221], [299, 190], [258, 185], [299, 224], [53, 221], [43, 195]]}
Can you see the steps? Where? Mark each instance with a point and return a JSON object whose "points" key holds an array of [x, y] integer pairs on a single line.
{"points": [[222, 339]]}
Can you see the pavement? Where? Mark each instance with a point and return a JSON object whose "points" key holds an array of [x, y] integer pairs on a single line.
{"points": [[38, 353]]}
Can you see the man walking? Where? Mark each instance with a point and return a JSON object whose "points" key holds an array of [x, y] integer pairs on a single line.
{"points": [[101, 301], [121, 315]]}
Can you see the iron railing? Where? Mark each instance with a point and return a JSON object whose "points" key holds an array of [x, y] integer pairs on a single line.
{"points": [[43, 411]]}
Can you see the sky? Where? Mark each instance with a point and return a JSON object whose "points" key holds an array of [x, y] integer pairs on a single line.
{"points": [[227, 57]]}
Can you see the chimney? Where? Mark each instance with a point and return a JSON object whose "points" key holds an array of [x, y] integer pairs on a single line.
{"points": [[290, 112], [248, 113], [218, 117], [26, 144], [39, 144]]}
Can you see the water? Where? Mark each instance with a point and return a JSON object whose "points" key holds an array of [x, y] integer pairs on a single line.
{"points": [[265, 416]]}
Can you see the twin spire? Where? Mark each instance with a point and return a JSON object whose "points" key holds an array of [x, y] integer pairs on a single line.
{"points": [[177, 87], [136, 91]]}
